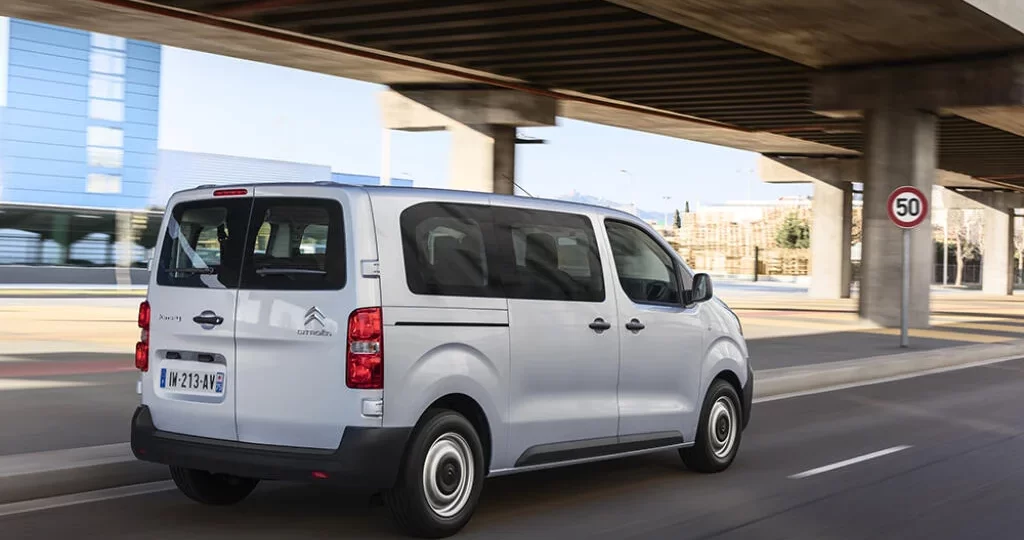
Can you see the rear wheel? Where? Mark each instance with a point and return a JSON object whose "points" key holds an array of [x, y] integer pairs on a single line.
{"points": [[719, 431], [441, 478], [210, 488]]}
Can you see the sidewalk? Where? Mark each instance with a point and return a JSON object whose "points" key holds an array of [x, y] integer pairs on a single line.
{"points": [[785, 330]]}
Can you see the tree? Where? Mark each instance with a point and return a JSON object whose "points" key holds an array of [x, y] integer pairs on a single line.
{"points": [[857, 227], [964, 230], [1018, 248], [686, 208], [677, 221], [793, 233]]}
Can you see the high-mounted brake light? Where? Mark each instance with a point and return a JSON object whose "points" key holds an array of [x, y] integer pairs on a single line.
{"points": [[364, 366], [142, 347], [230, 192]]}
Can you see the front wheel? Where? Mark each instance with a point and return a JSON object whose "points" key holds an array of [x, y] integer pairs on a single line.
{"points": [[210, 488], [719, 431], [441, 479]]}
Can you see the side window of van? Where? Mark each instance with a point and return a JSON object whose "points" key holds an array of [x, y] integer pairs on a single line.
{"points": [[554, 256], [203, 244], [447, 250], [646, 271]]}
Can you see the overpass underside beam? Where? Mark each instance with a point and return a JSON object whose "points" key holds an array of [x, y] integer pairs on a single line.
{"points": [[482, 123]]}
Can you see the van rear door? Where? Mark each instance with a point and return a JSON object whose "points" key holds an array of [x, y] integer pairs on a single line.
{"points": [[299, 285], [189, 387]]}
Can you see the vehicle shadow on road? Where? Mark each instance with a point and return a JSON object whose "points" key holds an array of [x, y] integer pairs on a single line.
{"points": [[324, 511]]}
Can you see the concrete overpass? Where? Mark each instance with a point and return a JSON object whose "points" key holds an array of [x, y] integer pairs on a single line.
{"points": [[908, 88]]}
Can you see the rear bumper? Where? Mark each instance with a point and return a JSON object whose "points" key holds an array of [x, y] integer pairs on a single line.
{"points": [[366, 457], [748, 395]]}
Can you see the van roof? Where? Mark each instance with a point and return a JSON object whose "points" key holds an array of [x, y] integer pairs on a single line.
{"points": [[468, 196]]}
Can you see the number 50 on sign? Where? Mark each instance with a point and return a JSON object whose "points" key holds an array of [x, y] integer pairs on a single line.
{"points": [[908, 207]]}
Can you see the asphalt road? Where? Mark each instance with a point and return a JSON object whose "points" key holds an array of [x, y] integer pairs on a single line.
{"points": [[953, 471], [81, 401]]}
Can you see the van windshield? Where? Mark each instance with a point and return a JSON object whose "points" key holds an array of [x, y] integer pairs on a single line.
{"points": [[270, 243]]}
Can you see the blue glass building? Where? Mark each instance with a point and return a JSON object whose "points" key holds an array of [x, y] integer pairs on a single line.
{"points": [[79, 125]]}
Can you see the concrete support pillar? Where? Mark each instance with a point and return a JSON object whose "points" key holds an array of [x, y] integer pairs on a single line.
{"points": [[483, 158], [123, 234], [900, 149], [40, 249], [997, 252], [482, 122], [61, 233], [831, 229]]}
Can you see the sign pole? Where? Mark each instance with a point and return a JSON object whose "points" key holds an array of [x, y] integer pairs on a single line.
{"points": [[905, 301], [907, 208]]}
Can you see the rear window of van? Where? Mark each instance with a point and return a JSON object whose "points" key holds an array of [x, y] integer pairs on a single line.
{"points": [[266, 243]]}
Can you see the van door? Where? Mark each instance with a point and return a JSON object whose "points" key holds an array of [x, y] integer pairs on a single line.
{"points": [[564, 337], [662, 340], [298, 288], [189, 387]]}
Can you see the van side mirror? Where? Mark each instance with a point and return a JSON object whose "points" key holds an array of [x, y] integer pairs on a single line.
{"points": [[702, 291]]}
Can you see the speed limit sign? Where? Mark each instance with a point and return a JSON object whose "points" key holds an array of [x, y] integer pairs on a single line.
{"points": [[908, 207]]}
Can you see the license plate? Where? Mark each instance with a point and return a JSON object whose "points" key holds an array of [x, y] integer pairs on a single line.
{"points": [[193, 382]]}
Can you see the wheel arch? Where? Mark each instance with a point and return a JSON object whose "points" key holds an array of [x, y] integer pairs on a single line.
{"points": [[474, 412], [729, 376]]}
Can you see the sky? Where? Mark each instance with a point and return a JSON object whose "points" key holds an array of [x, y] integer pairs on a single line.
{"points": [[222, 105]]}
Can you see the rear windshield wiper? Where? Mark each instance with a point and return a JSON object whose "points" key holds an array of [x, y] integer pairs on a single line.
{"points": [[191, 270], [287, 271]]}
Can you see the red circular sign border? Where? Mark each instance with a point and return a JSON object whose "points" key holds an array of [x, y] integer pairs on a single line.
{"points": [[924, 206]]}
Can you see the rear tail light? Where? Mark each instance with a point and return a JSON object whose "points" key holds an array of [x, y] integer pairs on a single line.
{"points": [[142, 347], [364, 366], [233, 192]]}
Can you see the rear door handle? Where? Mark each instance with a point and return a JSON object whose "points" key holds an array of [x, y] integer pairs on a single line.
{"points": [[208, 318], [635, 325], [600, 325]]}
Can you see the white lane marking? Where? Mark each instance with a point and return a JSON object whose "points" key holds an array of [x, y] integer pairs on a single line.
{"points": [[71, 458], [61, 501], [39, 384], [848, 462], [4, 358], [882, 380]]}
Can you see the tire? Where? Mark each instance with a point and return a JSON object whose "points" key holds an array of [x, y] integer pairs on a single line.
{"points": [[447, 444], [212, 489], [718, 432]]}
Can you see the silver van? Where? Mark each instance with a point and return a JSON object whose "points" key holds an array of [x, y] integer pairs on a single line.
{"points": [[417, 341]]}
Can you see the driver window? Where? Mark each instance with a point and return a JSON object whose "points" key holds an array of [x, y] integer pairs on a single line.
{"points": [[645, 269]]}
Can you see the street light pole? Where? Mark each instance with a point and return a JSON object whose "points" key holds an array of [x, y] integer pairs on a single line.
{"points": [[385, 157], [632, 205]]}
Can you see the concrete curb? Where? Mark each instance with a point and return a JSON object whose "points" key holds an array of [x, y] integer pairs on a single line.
{"points": [[63, 472], [780, 382]]}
